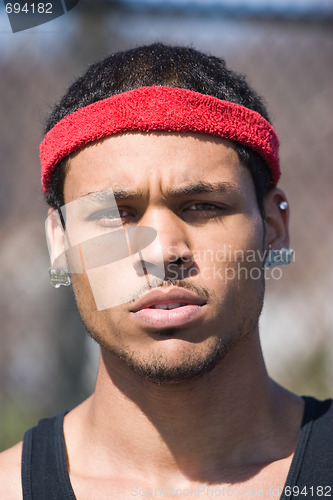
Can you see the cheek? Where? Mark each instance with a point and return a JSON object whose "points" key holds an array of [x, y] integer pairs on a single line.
{"points": [[95, 322], [83, 294], [93, 318], [231, 247], [232, 269]]}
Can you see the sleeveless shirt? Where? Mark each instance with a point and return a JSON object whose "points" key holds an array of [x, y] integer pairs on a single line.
{"points": [[45, 473]]}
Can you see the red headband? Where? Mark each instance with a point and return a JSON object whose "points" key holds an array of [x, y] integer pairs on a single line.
{"points": [[159, 108]]}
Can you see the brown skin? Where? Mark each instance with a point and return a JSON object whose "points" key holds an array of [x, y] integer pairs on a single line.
{"points": [[155, 164], [230, 426]]}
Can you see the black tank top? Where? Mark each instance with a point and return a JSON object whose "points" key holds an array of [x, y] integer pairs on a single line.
{"points": [[45, 473]]}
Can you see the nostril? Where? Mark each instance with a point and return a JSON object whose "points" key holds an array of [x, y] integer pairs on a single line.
{"points": [[178, 261]]}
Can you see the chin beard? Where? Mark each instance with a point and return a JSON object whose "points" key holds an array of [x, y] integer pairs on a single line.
{"points": [[158, 370]]}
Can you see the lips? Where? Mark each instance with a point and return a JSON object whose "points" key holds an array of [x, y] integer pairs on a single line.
{"points": [[171, 298], [167, 308]]}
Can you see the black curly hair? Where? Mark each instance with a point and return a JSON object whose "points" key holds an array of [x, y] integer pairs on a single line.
{"points": [[160, 64]]}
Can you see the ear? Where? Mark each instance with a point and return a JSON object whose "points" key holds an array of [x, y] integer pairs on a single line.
{"points": [[55, 236], [276, 220]]}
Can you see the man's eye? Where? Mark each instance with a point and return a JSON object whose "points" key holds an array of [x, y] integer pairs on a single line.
{"points": [[110, 218], [203, 212], [204, 207]]}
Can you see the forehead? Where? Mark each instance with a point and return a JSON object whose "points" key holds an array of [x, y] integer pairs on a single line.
{"points": [[154, 161]]}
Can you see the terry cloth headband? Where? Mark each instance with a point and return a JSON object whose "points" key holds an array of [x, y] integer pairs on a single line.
{"points": [[159, 108]]}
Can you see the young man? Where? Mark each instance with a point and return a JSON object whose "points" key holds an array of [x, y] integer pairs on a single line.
{"points": [[161, 169]]}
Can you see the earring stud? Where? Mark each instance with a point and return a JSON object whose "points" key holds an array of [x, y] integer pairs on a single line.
{"points": [[283, 205], [59, 277], [282, 257]]}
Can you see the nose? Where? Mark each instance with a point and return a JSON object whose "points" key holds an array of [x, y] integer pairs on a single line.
{"points": [[170, 251]]}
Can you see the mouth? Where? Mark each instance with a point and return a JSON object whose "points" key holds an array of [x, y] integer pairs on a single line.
{"points": [[167, 309]]}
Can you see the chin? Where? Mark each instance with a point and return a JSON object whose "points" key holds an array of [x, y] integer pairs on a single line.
{"points": [[171, 362]]}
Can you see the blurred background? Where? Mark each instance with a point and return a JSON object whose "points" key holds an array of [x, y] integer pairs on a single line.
{"points": [[47, 361]]}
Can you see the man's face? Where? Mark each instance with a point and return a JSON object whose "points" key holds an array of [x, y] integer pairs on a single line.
{"points": [[192, 189]]}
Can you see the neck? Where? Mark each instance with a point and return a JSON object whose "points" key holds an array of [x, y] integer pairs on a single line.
{"points": [[195, 428]]}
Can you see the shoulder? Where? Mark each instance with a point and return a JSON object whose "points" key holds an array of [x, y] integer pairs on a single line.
{"points": [[319, 411], [10, 473], [315, 447], [321, 417]]}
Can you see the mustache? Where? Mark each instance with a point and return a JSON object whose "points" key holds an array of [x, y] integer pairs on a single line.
{"points": [[202, 292]]}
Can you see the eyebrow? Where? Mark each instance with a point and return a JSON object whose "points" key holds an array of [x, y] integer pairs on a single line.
{"points": [[191, 189], [204, 187]]}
